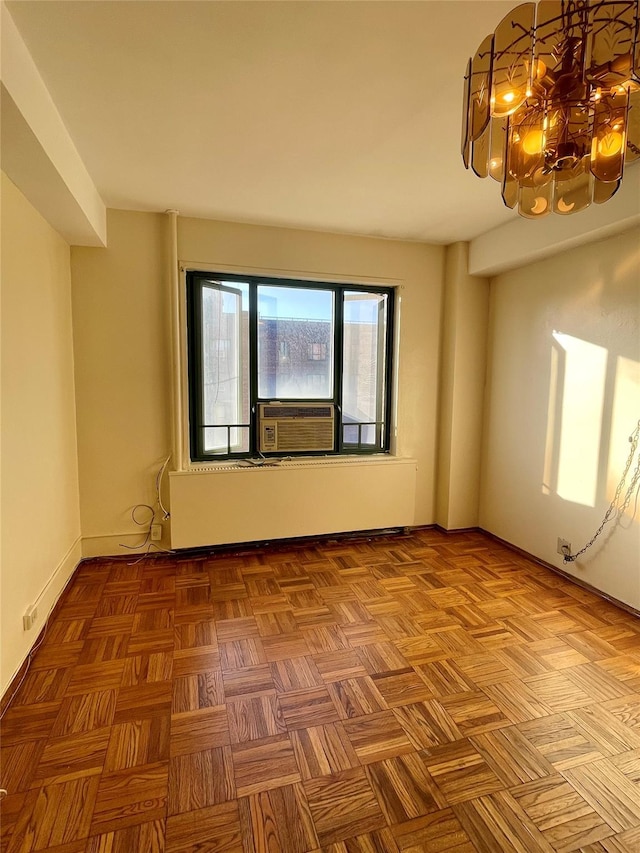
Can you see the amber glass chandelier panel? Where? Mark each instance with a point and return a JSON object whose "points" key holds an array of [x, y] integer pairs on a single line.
{"points": [[511, 78], [552, 104]]}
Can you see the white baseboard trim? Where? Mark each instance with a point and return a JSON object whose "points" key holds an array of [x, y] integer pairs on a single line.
{"points": [[110, 545], [60, 576], [47, 599]]}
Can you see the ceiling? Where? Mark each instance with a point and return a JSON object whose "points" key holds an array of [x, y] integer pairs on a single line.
{"points": [[336, 116]]}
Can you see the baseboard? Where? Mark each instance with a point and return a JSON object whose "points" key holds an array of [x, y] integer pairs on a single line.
{"points": [[558, 571], [47, 602], [247, 547], [458, 529], [112, 544], [108, 546]]}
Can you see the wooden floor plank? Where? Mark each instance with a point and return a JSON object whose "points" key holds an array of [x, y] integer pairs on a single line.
{"points": [[427, 692]]}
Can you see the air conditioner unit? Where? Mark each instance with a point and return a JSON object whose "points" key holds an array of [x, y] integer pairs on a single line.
{"points": [[295, 427]]}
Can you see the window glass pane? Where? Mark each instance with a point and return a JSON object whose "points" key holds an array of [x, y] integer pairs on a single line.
{"points": [[216, 438], [350, 433], [295, 343], [225, 367], [364, 367]]}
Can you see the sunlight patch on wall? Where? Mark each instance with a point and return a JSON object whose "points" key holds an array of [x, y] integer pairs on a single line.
{"points": [[583, 388]]}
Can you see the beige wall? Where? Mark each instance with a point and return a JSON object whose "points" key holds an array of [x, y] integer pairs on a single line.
{"points": [[123, 354], [40, 514], [462, 384], [564, 396]]}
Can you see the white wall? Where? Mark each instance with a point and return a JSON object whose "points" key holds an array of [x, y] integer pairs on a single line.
{"points": [[564, 395], [39, 478], [123, 350]]}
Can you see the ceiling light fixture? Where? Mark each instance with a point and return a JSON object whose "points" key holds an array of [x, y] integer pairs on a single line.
{"points": [[552, 104]]}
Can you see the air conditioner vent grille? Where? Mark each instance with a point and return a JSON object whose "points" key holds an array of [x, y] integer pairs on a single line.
{"points": [[300, 436], [291, 411], [296, 427]]}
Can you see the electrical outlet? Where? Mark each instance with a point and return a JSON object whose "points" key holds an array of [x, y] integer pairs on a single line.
{"points": [[30, 616], [156, 532], [564, 547]]}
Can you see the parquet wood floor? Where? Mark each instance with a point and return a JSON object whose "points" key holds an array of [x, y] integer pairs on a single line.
{"points": [[427, 692]]}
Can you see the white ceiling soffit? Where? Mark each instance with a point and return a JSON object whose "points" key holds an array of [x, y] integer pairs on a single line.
{"points": [[523, 241], [38, 154], [341, 117]]}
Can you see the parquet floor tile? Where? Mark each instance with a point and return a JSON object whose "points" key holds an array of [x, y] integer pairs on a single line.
{"points": [[563, 743], [337, 666], [289, 676], [356, 697], [264, 764], [55, 814], [203, 690], [377, 736], [427, 724], [612, 794], [254, 718], [403, 693], [215, 828], [323, 750], [404, 788], [474, 713], [85, 712], [511, 756], [497, 825], [381, 841], [193, 731], [565, 818], [343, 805], [278, 819], [149, 836], [460, 771], [200, 779], [401, 687], [433, 833], [129, 797], [313, 706], [81, 754], [136, 742]]}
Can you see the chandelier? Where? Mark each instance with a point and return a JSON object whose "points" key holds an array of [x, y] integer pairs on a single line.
{"points": [[552, 104]]}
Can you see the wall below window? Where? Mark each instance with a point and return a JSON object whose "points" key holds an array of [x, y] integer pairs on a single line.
{"points": [[563, 398], [123, 354], [298, 498], [40, 514]]}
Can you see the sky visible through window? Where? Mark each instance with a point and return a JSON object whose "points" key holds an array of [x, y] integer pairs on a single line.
{"points": [[295, 303]]}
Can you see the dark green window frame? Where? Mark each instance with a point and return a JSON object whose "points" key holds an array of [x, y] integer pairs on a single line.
{"points": [[197, 281]]}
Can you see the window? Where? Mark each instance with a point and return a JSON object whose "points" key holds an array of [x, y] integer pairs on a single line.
{"points": [[317, 352], [321, 352]]}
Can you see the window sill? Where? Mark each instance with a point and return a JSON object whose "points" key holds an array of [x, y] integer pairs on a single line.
{"points": [[297, 462]]}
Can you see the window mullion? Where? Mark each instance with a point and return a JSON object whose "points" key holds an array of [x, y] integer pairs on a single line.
{"points": [[386, 438], [196, 372], [338, 343], [381, 365], [253, 364]]}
